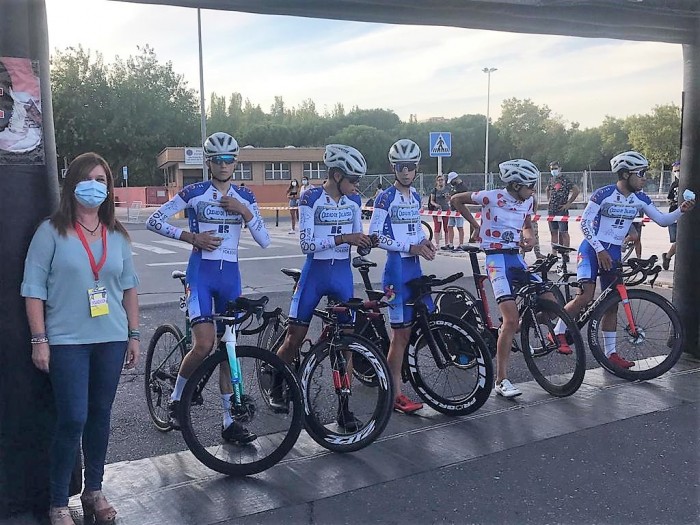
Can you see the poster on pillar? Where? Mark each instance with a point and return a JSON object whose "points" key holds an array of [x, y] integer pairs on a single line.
{"points": [[20, 112]]}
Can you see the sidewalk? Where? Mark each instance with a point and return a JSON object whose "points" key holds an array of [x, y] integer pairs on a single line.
{"points": [[615, 452]]}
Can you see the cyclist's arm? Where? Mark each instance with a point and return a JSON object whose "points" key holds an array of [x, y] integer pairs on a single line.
{"points": [[660, 218], [158, 221], [587, 221], [256, 226], [386, 241], [307, 241], [460, 201]]}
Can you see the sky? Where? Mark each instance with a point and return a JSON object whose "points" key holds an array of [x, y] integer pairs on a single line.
{"points": [[428, 71]]}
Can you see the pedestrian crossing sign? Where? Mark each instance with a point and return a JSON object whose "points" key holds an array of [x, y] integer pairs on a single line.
{"points": [[440, 144]]}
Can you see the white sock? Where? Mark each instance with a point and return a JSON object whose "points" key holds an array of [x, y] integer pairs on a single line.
{"points": [[179, 387], [609, 339], [226, 408], [560, 327]]}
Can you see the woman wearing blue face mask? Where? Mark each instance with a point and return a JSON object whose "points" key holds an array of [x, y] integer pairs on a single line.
{"points": [[80, 291]]}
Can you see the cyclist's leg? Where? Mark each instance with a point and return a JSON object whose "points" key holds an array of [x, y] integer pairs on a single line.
{"points": [[586, 274], [497, 269], [301, 310], [397, 272], [609, 320]]}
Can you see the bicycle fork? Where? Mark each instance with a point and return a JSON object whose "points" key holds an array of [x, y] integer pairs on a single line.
{"points": [[229, 338], [632, 328]]}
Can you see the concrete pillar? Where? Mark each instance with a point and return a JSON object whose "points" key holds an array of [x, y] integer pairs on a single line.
{"points": [[28, 193], [686, 279]]}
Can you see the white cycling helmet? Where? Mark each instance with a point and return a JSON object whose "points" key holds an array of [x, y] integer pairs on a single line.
{"points": [[404, 150], [345, 158], [520, 171], [629, 160], [220, 143]]}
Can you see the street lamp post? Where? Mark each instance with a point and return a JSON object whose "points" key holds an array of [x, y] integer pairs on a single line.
{"points": [[202, 106], [488, 71]]}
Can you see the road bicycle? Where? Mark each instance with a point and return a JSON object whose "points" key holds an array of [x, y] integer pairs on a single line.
{"points": [[557, 370], [326, 368], [200, 409], [269, 434], [446, 362]]}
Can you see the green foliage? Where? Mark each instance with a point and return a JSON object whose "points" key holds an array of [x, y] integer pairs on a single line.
{"points": [[130, 110]]}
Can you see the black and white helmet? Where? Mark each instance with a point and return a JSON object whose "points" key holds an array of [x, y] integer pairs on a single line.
{"points": [[520, 171], [345, 158], [629, 161], [404, 150], [220, 143]]}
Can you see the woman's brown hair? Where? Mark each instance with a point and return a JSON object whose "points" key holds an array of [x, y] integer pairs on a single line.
{"points": [[78, 171]]}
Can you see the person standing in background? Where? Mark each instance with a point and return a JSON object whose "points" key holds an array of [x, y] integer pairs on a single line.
{"points": [[561, 193], [438, 200], [293, 196], [673, 205]]}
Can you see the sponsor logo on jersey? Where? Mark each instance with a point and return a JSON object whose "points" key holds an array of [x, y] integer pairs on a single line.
{"points": [[404, 214], [213, 213], [333, 215], [618, 211]]}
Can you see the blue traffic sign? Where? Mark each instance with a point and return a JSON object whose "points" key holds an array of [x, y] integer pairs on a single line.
{"points": [[440, 144]]}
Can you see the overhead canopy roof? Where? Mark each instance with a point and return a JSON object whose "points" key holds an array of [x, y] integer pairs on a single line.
{"points": [[674, 21]]}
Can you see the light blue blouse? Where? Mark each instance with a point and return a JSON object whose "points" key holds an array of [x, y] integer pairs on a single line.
{"points": [[57, 270]]}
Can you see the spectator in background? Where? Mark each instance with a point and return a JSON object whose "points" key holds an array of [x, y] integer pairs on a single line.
{"points": [[438, 200], [561, 193], [673, 205], [456, 186], [305, 186], [293, 196]]}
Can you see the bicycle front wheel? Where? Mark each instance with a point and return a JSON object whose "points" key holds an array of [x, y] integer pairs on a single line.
{"points": [[342, 414], [450, 368], [165, 353], [427, 230], [651, 338], [557, 369], [273, 432]]}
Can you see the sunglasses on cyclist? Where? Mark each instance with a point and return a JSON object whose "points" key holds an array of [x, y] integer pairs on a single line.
{"points": [[639, 173], [529, 186], [222, 159], [400, 166], [352, 179]]}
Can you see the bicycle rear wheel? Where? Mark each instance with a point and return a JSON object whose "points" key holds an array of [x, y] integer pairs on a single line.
{"points": [[460, 302], [654, 348], [558, 372], [328, 397], [427, 230], [165, 353], [272, 337], [450, 368], [201, 411]]}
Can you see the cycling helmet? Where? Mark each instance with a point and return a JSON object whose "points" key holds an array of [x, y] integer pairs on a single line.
{"points": [[220, 143], [345, 158], [520, 171], [629, 161], [404, 150]]}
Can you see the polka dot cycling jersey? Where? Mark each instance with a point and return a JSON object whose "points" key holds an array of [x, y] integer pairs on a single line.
{"points": [[609, 215], [321, 219], [396, 219], [201, 201], [502, 218]]}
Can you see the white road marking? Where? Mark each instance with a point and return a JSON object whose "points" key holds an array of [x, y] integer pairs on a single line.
{"points": [[150, 248]]}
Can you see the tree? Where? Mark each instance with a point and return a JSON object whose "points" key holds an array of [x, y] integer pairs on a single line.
{"points": [[656, 135], [372, 143], [614, 138]]}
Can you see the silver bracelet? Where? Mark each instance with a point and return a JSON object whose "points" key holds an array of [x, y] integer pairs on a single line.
{"points": [[39, 340]]}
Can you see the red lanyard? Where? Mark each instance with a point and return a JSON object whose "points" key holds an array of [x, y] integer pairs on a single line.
{"points": [[95, 267]]}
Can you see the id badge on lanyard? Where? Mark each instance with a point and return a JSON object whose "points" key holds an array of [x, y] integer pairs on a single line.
{"points": [[97, 296]]}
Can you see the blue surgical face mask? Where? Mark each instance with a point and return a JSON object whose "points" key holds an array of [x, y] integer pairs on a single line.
{"points": [[555, 173], [90, 193]]}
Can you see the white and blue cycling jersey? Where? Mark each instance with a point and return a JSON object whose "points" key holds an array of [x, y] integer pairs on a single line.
{"points": [[213, 277], [396, 220], [327, 269], [609, 215]]}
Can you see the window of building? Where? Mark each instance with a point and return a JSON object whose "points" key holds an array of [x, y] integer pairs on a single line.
{"points": [[243, 171], [315, 170], [277, 171]]}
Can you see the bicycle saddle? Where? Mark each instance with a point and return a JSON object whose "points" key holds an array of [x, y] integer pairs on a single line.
{"points": [[245, 304], [559, 248], [294, 273], [470, 248], [177, 274], [361, 262]]}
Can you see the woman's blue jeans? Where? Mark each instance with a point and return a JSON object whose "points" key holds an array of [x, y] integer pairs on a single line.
{"points": [[84, 380]]}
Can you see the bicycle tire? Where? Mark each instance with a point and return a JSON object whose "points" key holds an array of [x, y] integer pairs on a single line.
{"points": [[372, 402], [159, 380], [555, 288], [201, 420], [272, 337], [660, 326], [427, 229], [559, 374], [468, 375]]}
